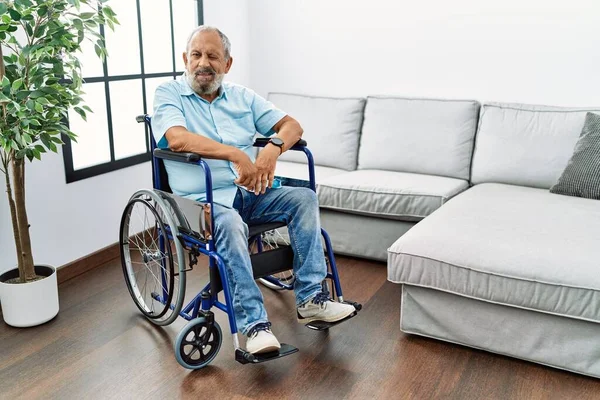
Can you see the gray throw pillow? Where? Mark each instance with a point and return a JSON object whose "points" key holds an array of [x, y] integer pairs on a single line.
{"points": [[581, 177]]}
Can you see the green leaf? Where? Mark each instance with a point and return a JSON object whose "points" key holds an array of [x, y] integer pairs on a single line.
{"points": [[80, 112], [98, 50], [14, 14], [17, 84], [3, 8], [36, 93], [43, 101], [29, 29], [39, 108], [24, 3], [108, 11], [87, 15], [42, 11]]}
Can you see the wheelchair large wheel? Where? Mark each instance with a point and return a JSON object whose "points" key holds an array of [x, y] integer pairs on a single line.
{"points": [[270, 240], [198, 343], [152, 258]]}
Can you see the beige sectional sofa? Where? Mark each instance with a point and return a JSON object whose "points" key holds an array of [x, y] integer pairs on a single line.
{"points": [[454, 195]]}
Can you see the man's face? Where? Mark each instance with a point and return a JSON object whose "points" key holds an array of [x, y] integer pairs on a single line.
{"points": [[205, 62]]}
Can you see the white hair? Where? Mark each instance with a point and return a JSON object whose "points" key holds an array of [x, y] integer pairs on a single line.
{"points": [[205, 28]]}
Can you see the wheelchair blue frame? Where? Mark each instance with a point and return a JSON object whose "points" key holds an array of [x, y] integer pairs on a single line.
{"points": [[207, 298]]}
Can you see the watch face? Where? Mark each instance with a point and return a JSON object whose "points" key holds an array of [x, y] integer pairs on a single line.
{"points": [[277, 142]]}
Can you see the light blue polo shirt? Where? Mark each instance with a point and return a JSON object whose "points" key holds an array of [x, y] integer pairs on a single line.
{"points": [[233, 118]]}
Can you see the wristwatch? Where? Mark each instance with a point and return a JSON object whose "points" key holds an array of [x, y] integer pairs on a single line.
{"points": [[277, 142]]}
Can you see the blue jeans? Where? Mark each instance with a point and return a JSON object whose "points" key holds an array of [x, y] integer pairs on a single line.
{"points": [[299, 209]]}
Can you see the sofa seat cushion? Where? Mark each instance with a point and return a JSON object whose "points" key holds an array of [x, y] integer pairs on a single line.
{"points": [[300, 171], [518, 246], [388, 194]]}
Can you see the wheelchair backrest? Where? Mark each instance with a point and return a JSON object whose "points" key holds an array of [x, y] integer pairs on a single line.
{"points": [[160, 179]]}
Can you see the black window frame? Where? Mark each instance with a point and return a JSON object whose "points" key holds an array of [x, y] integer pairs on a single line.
{"points": [[72, 175]]}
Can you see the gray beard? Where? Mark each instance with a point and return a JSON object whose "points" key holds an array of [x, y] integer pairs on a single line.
{"points": [[205, 89]]}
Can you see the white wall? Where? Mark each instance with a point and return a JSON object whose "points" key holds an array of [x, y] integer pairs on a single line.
{"points": [[69, 221], [232, 18], [537, 51]]}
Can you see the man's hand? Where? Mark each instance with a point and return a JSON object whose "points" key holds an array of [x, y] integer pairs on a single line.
{"points": [[248, 172], [265, 164]]}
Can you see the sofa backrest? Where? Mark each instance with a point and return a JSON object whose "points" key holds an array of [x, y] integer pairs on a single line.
{"points": [[331, 127], [428, 136], [527, 145]]}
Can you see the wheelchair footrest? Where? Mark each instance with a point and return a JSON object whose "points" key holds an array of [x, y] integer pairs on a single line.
{"points": [[244, 357]]}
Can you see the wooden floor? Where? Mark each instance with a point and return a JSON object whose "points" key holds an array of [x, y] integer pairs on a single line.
{"points": [[99, 347]]}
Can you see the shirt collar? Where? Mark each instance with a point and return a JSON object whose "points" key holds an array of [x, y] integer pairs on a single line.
{"points": [[186, 89]]}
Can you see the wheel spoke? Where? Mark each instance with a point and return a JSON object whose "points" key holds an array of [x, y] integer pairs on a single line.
{"points": [[144, 228]]}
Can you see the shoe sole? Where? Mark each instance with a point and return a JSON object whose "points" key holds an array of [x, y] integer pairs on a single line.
{"points": [[267, 349], [331, 319]]}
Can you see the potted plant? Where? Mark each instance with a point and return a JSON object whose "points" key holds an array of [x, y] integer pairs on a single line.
{"points": [[40, 80]]}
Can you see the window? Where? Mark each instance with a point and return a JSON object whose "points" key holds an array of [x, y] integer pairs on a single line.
{"points": [[144, 51]]}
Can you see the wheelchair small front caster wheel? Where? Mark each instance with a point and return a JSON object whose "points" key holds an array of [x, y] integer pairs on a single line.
{"points": [[198, 343]]}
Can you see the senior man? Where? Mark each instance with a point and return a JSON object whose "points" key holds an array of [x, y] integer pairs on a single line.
{"points": [[200, 113]]}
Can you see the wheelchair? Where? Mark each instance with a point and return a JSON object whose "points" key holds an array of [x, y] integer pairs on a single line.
{"points": [[161, 237]]}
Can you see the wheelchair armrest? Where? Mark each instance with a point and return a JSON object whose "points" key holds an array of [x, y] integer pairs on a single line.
{"points": [[165, 154], [262, 142]]}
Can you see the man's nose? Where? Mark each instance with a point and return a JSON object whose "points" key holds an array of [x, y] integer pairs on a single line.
{"points": [[203, 62]]}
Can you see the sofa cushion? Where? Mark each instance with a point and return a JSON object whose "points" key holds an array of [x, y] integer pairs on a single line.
{"points": [[331, 127], [581, 177], [512, 245], [427, 136], [300, 171], [388, 194], [526, 145]]}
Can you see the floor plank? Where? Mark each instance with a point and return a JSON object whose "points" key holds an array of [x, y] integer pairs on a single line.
{"points": [[99, 347]]}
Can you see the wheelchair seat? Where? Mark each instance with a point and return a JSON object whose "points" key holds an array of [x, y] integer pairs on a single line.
{"points": [[261, 228]]}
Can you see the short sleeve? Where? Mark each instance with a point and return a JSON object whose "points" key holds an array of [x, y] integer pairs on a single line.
{"points": [[168, 112], [266, 115]]}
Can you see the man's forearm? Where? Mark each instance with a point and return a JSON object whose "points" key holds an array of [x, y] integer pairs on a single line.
{"points": [[181, 140], [290, 132]]}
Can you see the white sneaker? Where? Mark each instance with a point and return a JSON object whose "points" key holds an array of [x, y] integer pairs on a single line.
{"points": [[322, 308], [262, 340]]}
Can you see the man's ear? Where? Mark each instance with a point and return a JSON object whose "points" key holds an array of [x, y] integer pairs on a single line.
{"points": [[228, 65], [184, 58]]}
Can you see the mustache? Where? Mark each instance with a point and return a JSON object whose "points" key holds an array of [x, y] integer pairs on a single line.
{"points": [[205, 70]]}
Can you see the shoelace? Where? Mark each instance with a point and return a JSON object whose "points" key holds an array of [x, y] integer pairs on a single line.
{"points": [[320, 298], [263, 326]]}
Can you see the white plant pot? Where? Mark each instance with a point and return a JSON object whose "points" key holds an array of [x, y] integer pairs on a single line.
{"points": [[29, 304]]}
